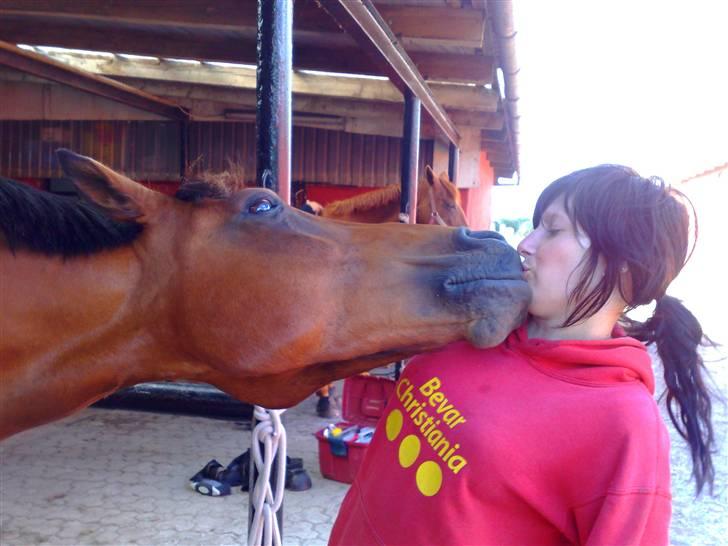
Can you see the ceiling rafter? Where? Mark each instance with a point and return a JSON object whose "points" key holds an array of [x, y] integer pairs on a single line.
{"points": [[51, 69]]}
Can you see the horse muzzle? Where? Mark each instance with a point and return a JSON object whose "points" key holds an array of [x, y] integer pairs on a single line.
{"points": [[485, 286]]}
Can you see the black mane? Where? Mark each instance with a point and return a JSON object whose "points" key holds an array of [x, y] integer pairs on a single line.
{"points": [[57, 225]]}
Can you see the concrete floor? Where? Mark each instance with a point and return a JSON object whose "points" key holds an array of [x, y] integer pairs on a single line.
{"points": [[117, 477]]}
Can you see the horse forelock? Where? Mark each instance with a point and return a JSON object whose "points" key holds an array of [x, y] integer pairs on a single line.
{"points": [[58, 225], [210, 185]]}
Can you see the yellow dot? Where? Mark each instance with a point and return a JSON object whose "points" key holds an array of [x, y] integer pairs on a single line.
{"points": [[429, 478], [409, 450], [394, 424]]}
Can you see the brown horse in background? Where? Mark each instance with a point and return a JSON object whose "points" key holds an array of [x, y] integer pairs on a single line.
{"points": [[235, 289], [438, 201]]}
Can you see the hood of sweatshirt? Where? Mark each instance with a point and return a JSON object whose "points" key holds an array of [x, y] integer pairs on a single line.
{"points": [[588, 362]]}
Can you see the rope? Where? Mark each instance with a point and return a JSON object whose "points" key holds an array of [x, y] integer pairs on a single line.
{"points": [[266, 498]]}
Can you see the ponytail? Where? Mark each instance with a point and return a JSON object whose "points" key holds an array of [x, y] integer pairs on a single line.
{"points": [[678, 334]]}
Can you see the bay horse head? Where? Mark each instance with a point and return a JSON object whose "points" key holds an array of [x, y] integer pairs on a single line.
{"points": [[235, 289], [443, 205]]}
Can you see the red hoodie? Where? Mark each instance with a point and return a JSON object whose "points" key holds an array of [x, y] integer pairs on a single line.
{"points": [[532, 442]]}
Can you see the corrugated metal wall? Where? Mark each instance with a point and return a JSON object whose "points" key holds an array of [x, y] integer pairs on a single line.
{"points": [[149, 150], [140, 149]]}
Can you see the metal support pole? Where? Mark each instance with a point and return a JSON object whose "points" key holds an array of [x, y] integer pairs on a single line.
{"points": [[409, 160], [273, 93], [184, 129], [453, 161], [273, 127]]}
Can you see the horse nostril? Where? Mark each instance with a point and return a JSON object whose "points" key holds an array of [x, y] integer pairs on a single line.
{"points": [[473, 240]]}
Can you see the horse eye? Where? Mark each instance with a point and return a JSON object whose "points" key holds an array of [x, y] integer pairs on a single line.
{"points": [[260, 206]]}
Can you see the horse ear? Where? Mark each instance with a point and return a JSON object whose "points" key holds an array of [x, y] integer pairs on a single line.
{"points": [[120, 197], [431, 176]]}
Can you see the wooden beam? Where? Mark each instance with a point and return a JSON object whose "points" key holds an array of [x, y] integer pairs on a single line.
{"points": [[49, 69], [464, 97], [333, 106], [246, 98], [234, 45], [363, 23], [35, 99], [478, 68], [475, 99], [220, 14], [481, 120], [461, 27], [210, 103], [391, 127], [235, 77], [418, 22]]}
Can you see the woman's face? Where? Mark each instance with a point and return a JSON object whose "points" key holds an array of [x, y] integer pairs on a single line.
{"points": [[552, 256]]}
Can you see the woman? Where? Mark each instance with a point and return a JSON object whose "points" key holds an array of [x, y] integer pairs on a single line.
{"points": [[554, 436]]}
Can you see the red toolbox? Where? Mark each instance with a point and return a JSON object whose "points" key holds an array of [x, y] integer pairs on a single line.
{"points": [[342, 451]]}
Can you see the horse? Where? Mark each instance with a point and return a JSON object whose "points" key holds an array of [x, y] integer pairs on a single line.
{"points": [[231, 288], [438, 202], [380, 206]]}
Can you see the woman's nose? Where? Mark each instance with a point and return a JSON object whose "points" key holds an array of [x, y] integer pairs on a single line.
{"points": [[525, 247]]}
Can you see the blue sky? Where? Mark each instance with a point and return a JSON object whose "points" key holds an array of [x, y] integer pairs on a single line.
{"points": [[640, 83]]}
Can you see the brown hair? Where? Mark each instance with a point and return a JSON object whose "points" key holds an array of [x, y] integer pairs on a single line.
{"points": [[643, 224]]}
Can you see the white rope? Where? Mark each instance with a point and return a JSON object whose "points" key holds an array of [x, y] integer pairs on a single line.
{"points": [[264, 499]]}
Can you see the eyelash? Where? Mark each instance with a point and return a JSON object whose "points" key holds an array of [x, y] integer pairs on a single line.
{"points": [[549, 231]]}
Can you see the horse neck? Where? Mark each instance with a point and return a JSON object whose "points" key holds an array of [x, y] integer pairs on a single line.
{"points": [[74, 331], [389, 212]]}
